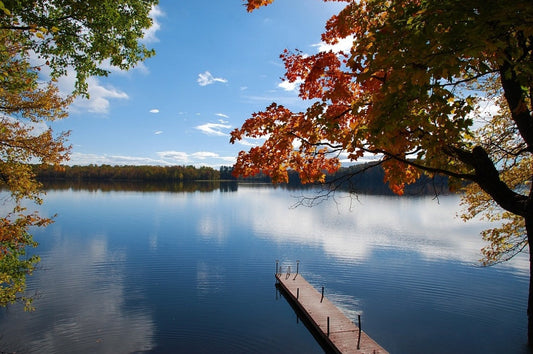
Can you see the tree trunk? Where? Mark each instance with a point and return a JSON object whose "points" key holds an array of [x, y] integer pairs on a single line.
{"points": [[530, 301], [529, 230]]}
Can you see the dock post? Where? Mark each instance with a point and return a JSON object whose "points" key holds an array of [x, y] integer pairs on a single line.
{"points": [[297, 266], [277, 266], [297, 293], [359, 339], [328, 326], [322, 298]]}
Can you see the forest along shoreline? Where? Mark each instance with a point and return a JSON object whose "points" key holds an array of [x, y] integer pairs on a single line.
{"points": [[360, 178]]}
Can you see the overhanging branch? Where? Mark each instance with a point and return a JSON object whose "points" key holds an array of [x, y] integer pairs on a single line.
{"points": [[421, 167]]}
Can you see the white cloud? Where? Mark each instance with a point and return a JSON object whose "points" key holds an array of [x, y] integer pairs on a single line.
{"points": [[158, 132], [343, 45], [150, 33], [175, 156], [99, 101], [245, 142], [214, 128], [221, 115], [290, 86], [77, 158], [155, 110], [202, 155], [200, 158], [162, 158], [206, 78], [99, 97]]}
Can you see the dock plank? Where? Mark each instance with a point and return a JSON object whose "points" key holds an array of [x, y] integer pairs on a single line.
{"points": [[343, 333]]}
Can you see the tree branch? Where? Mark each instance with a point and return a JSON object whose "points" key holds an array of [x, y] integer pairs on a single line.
{"points": [[515, 98], [420, 166], [488, 178], [469, 79]]}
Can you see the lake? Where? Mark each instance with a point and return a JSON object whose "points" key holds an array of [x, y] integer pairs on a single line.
{"points": [[193, 272]]}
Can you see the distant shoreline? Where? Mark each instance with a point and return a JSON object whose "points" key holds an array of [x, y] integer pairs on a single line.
{"points": [[364, 179]]}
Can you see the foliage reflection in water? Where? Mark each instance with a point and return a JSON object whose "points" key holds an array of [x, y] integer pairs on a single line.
{"points": [[161, 271]]}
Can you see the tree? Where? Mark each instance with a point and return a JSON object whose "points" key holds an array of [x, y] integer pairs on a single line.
{"points": [[60, 35], [86, 36], [25, 105], [411, 91]]}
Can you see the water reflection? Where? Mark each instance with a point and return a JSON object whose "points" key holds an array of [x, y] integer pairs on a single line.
{"points": [[193, 272], [353, 229], [81, 304], [145, 186], [209, 279]]}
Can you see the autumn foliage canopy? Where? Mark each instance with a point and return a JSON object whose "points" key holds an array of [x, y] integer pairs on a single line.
{"points": [[404, 91]]}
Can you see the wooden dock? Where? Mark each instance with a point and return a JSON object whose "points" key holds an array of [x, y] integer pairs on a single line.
{"points": [[337, 332]]}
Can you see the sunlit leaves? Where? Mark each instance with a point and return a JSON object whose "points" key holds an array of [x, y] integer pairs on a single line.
{"points": [[507, 238], [82, 36], [26, 105], [499, 136], [377, 98]]}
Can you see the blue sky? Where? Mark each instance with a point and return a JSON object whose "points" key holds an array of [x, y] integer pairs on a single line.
{"points": [[215, 65]]}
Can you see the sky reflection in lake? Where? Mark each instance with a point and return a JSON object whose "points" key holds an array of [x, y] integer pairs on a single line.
{"points": [[81, 302], [193, 272], [351, 229]]}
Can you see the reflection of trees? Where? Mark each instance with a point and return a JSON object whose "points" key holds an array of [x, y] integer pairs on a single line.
{"points": [[369, 179], [360, 178], [125, 186], [228, 186]]}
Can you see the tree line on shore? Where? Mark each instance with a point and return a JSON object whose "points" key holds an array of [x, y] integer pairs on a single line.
{"points": [[127, 173], [366, 178]]}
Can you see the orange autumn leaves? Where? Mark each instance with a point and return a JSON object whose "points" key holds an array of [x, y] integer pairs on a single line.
{"points": [[395, 94], [254, 4], [301, 141], [342, 118], [279, 153]]}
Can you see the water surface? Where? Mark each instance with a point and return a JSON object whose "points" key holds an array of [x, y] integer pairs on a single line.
{"points": [[159, 271]]}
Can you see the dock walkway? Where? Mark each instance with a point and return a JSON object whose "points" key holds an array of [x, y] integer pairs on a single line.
{"points": [[336, 330]]}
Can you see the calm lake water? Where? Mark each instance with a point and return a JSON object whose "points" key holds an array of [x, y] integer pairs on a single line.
{"points": [[193, 272]]}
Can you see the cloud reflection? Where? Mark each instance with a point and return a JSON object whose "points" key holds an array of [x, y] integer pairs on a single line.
{"points": [[353, 230], [212, 227], [70, 315]]}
